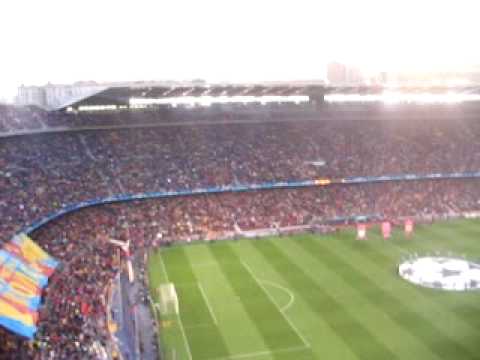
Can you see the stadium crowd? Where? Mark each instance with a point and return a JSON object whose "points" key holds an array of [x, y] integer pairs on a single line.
{"points": [[40, 174], [70, 322], [13, 118]]}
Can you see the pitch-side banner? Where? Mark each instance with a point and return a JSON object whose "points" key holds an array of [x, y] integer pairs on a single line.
{"points": [[361, 231], [386, 229]]}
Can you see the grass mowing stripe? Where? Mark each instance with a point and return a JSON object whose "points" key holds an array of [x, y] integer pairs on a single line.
{"points": [[325, 344], [261, 354], [417, 324], [305, 342], [428, 239], [458, 304], [387, 331], [439, 239], [192, 306], [228, 308], [275, 330], [472, 229], [204, 295], [459, 310], [455, 314], [457, 239], [194, 310], [155, 278], [182, 330], [291, 296], [363, 343]]}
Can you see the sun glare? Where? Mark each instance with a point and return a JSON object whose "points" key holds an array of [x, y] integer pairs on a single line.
{"points": [[391, 97]]}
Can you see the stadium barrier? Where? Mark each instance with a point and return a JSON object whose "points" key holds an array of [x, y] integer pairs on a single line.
{"points": [[243, 188]]}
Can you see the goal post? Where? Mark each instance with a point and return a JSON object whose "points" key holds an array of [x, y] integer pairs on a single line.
{"points": [[167, 299]]}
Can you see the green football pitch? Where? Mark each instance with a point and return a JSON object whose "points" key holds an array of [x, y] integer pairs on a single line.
{"points": [[316, 297]]}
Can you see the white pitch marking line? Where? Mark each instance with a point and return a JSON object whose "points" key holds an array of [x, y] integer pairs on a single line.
{"points": [[186, 284], [212, 314], [198, 326], [292, 296], [205, 264], [179, 317], [262, 353], [305, 342]]}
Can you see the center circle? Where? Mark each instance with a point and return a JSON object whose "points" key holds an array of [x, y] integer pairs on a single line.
{"points": [[445, 273]]}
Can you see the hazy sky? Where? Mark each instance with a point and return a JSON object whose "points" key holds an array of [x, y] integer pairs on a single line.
{"points": [[64, 41]]}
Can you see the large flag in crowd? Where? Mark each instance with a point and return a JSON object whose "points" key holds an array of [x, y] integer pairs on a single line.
{"points": [[24, 272]]}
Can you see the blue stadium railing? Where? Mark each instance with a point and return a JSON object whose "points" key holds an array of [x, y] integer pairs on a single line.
{"points": [[243, 188]]}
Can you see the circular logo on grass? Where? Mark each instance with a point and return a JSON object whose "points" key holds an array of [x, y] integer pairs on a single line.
{"points": [[446, 273]]}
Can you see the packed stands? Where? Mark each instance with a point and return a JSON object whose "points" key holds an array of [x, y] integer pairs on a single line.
{"points": [[14, 118], [42, 173]]}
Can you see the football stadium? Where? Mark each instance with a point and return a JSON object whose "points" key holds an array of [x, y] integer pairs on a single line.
{"points": [[239, 180], [274, 224]]}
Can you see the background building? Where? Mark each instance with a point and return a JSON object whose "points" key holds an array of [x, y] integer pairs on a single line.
{"points": [[341, 74], [53, 96]]}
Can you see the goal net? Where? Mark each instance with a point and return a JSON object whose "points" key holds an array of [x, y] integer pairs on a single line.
{"points": [[168, 299]]}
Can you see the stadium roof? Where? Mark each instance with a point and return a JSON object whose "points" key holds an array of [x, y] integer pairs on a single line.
{"points": [[121, 95]]}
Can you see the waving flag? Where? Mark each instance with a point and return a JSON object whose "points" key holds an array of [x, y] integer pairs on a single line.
{"points": [[11, 262], [22, 323], [19, 281], [24, 271], [27, 250], [20, 299]]}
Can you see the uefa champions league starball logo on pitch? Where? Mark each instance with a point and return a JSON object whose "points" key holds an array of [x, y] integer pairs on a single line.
{"points": [[441, 272]]}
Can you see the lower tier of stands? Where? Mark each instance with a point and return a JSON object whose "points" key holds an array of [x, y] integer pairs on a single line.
{"points": [[71, 319]]}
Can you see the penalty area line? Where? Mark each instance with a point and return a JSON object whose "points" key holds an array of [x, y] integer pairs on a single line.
{"points": [[205, 264], [212, 314], [305, 342], [262, 353], [290, 294], [195, 326]]}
